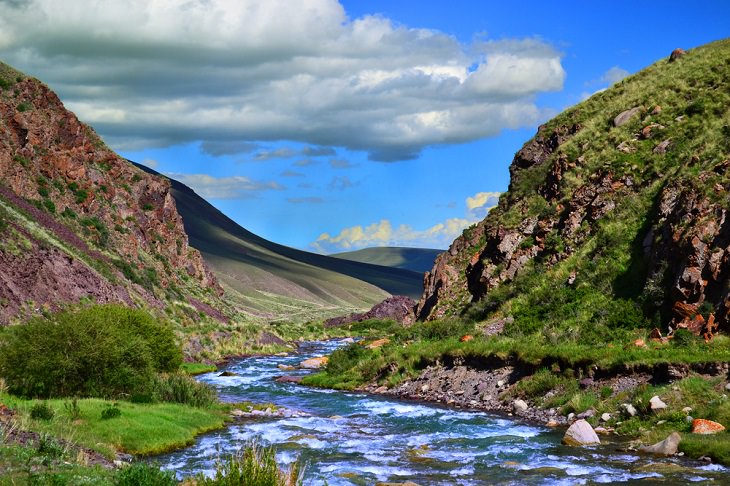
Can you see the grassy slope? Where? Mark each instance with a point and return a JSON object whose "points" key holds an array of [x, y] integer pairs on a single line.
{"points": [[415, 259], [568, 331], [262, 270]]}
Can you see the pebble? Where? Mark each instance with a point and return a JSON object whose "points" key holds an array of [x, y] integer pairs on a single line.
{"points": [[500, 384], [606, 417], [656, 404], [630, 409]]}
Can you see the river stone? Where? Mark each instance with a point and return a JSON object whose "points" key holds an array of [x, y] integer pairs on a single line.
{"points": [[625, 116], [314, 363], [289, 379], [629, 409], [667, 447], [519, 406], [706, 427], [656, 404], [284, 367], [605, 417], [587, 414], [228, 373], [580, 433]]}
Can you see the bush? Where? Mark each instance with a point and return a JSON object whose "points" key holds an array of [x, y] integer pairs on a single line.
{"points": [[144, 474], [111, 411], [181, 388], [253, 465], [42, 411], [103, 351]]}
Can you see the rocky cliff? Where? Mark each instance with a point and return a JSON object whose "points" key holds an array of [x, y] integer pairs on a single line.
{"points": [[617, 213], [76, 220]]}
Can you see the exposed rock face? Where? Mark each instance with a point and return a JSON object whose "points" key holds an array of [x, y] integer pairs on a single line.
{"points": [[682, 251], [314, 363], [399, 308], [111, 210]]}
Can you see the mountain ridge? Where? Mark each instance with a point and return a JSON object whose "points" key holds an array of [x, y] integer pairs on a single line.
{"points": [[415, 259]]}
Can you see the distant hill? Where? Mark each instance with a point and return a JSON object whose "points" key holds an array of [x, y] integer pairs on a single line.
{"points": [[279, 279], [416, 259]]}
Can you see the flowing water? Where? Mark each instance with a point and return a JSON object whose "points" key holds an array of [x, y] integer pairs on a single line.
{"points": [[357, 439]]}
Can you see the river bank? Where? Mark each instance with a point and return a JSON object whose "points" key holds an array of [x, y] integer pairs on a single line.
{"points": [[358, 438]]}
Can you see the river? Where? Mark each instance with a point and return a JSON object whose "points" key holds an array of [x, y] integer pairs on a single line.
{"points": [[360, 439]]}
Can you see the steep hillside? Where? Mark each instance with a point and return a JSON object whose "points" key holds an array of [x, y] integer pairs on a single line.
{"points": [[267, 273], [615, 218], [79, 222], [415, 259]]}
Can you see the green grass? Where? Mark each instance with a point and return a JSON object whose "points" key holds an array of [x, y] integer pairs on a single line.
{"points": [[193, 369], [141, 429], [253, 465]]}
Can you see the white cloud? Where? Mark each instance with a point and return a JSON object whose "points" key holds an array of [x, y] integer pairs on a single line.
{"points": [[227, 72], [383, 233], [235, 187], [340, 183], [614, 75], [151, 163]]}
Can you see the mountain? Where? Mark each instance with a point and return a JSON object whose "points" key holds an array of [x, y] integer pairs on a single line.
{"points": [[616, 215], [77, 222], [265, 272], [415, 259]]}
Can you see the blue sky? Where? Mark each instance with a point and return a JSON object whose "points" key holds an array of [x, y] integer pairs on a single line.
{"points": [[332, 126]]}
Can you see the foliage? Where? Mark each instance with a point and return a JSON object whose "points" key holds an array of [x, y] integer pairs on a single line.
{"points": [[100, 230], [105, 350], [253, 465], [41, 411], [181, 388], [145, 474], [197, 368], [111, 411], [72, 409]]}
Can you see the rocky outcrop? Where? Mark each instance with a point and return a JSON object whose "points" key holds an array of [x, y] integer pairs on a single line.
{"points": [[577, 176], [88, 200], [398, 308]]}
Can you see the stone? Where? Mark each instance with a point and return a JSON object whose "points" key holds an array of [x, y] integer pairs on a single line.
{"points": [[625, 116], [571, 417], [603, 430], [640, 343], [382, 389], [552, 423], [656, 110], [289, 379], [348, 340], [656, 404], [378, 343], [689, 419], [466, 338], [580, 433], [605, 417], [425, 388], [727, 387], [629, 409], [676, 54], [314, 363], [706, 427], [500, 383], [519, 406], [587, 414], [667, 447], [687, 409], [284, 367], [662, 148], [228, 373]]}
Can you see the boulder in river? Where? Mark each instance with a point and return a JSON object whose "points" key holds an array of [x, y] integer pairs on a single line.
{"points": [[228, 373], [314, 363], [519, 406], [289, 379], [667, 447], [580, 433]]}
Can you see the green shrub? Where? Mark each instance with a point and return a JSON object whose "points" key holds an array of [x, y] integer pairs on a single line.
{"points": [[144, 474], [102, 233], [181, 388], [49, 446], [148, 207], [103, 351], [72, 408], [68, 213], [254, 465], [49, 205], [111, 411], [344, 359], [42, 411], [24, 106]]}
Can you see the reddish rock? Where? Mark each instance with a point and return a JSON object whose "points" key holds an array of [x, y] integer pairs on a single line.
{"points": [[706, 427], [378, 343], [398, 307], [676, 54], [314, 363], [623, 117], [466, 338]]}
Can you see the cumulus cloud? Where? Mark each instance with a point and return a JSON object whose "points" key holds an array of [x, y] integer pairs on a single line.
{"points": [[383, 233], [217, 148], [304, 162], [151, 163], [291, 173], [479, 205], [235, 187], [280, 153], [230, 72], [614, 75]]}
